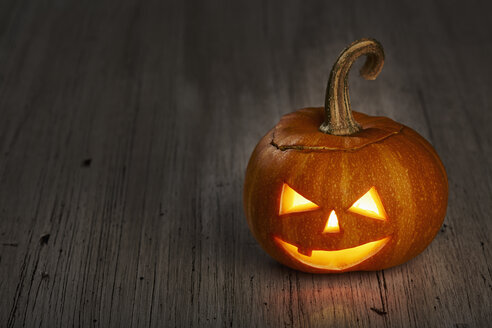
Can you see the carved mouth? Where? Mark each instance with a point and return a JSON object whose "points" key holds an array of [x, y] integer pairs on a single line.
{"points": [[335, 260]]}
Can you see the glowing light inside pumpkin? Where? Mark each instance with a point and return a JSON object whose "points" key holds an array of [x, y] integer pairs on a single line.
{"points": [[291, 201], [369, 205], [335, 260], [332, 223]]}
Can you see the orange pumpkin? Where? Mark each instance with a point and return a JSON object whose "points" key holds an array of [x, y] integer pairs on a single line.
{"points": [[331, 190]]}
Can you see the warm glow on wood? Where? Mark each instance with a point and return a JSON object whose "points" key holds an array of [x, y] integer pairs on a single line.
{"points": [[291, 201], [332, 223], [335, 260], [369, 205]]}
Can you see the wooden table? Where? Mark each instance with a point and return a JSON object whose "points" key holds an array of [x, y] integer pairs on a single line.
{"points": [[126, 128]]}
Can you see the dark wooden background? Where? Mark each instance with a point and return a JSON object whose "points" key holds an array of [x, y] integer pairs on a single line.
{"points": [[126, 127]]}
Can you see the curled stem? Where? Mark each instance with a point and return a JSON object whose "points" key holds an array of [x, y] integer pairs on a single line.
{"points": [[338, 113]]}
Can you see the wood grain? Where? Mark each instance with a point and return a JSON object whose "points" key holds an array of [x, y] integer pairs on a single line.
{"points": [[126, 128]]}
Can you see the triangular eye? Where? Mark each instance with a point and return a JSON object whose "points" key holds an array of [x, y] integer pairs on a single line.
{"points": [[291, 201], [369, 205]]}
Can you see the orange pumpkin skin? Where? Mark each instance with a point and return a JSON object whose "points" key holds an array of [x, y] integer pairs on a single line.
{"points": [[333, 172]]}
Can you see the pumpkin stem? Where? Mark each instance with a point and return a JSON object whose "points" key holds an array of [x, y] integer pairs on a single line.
{"points": [[338, 114]]}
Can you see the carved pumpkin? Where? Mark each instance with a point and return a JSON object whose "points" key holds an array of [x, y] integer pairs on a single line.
{"points": [[331, 190]]}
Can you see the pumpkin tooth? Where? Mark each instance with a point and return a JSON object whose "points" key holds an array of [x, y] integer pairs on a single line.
{"points": [[305, 251]]}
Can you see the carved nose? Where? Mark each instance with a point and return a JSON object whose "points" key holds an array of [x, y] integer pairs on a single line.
{"points": [[332, 223]]}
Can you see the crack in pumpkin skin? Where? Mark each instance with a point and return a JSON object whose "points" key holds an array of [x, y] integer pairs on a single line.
{"points": [[321, 149], [305, 122]]}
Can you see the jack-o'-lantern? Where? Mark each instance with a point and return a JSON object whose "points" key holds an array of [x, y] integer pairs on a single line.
{"points": [[331, 190]]}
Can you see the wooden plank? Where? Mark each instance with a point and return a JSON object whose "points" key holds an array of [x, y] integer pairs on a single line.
{"points": [[125, 133]]}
